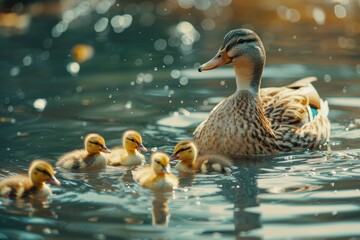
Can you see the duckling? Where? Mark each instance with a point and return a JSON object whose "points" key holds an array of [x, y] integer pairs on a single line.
{"points": [[255, 121], [156, 176], [128, 155], [187, 152], [90, 158], [30, 186]]}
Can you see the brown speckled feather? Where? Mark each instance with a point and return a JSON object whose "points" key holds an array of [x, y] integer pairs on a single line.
{"points": [[277, 120]]}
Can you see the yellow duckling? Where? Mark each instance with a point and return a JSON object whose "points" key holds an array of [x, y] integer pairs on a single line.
{"points": [[157, 176], [260, 121], [190, 162], [128, 155], [90, 158], [30, 186]]}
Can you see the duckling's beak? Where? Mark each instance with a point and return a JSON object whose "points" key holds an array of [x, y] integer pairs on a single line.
{"points": [[164, 169], [141, 148], [105, 150], [53, 180], [173, 157], [221, 58]]}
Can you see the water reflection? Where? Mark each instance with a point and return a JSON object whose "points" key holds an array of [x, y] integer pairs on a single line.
{"points": [[160, 210]]}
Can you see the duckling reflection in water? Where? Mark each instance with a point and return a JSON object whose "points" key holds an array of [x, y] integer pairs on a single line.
{"points": [[30, 186], [129, 154], [90, 158], [160, 210], [186, 151], [255, 121], [157, 176]]}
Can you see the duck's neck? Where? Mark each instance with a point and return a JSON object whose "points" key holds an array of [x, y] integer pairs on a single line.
{"points": [[248, 77], [131, 151]]}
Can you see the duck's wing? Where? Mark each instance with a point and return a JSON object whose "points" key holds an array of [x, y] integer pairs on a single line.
{"points": [[213, 163], [142, 174], [15, 187], [116, 157], [297, 114], [72, 160]]}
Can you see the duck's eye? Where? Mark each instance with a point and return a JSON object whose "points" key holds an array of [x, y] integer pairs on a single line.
{"points": [[241, 41], [96, 143], [219, 56]]}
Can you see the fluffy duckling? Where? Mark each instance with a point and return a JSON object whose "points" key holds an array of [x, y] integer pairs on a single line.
{"points": [[187, 152], [129, 154], [90, 158], [30, 186], [254, 120], [157, 176]]}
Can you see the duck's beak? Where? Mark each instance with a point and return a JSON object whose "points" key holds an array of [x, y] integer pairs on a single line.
{"points": [[105, 150], [53, 180], [142, 148], [173, 157], [220, 59], [165, 169]]}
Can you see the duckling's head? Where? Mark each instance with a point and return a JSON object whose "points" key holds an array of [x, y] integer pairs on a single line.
{"points": [[244, 50], [94, 143], [185, 151], [41, 171], [160, 162], [132, 141]]}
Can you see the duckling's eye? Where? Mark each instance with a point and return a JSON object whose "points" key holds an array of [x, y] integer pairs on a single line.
{"points": [[182, 150], [43, 171], [241, 41], [157, 161], [96, 143], [131, 140]]}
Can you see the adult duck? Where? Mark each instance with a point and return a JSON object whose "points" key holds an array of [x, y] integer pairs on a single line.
{"points": [[256, 121]]}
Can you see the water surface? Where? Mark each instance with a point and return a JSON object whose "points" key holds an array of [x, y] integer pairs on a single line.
{"points": [[144, 77]]}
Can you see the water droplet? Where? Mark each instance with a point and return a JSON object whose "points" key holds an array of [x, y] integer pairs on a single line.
{"points": [[14, 71], [183, 81], [160, 44], [40, 104], [73, 68], [101, 24], [340, 11], [327, 78], [27, 60], [155, 69], [176, 73]]}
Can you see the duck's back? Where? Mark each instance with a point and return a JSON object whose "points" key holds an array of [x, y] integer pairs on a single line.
{"points": [[120, 157], [81, 159], [298, 116], [213, 163], [21, 187]]}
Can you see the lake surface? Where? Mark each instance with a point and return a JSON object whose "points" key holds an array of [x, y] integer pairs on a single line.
{"points": [[142, 75]]}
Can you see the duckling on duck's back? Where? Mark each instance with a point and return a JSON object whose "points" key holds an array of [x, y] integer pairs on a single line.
{"points": [[30, 186], [186, 151], [129, 154], [90, 158], [157, 176], [260, 121]]}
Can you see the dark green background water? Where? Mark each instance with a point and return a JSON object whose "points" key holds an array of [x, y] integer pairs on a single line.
{"points": [[145, 78]]}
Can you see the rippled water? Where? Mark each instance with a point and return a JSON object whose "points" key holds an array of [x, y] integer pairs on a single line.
{"points": [[46, 108]]}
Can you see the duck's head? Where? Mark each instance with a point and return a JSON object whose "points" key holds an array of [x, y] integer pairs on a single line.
{"points": [[94, 143], [160, 162], [132, 141], [41, 171], [244, 50], [185, 151]]}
